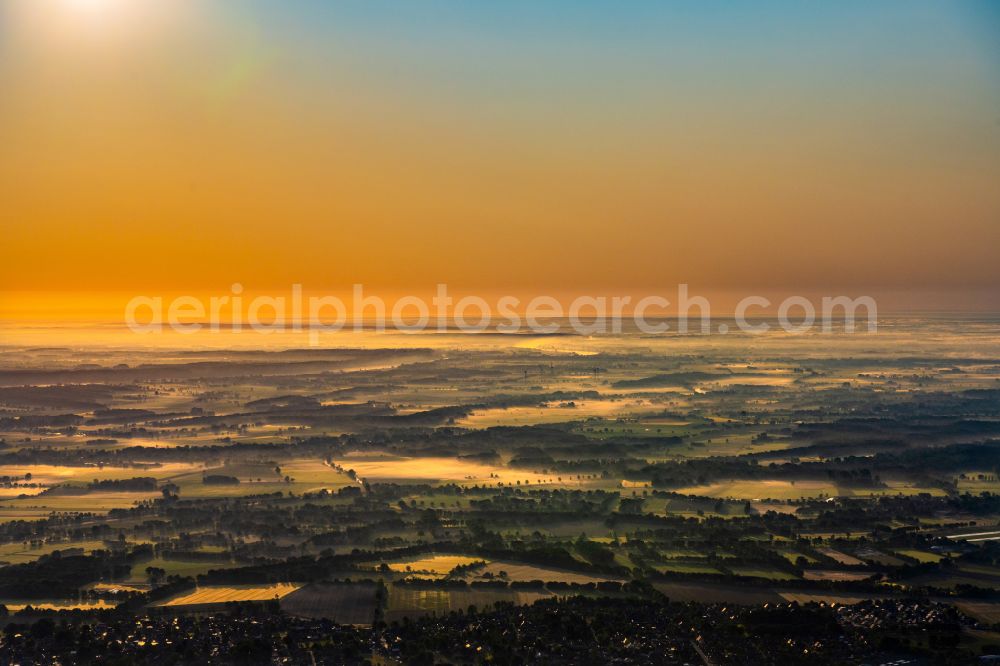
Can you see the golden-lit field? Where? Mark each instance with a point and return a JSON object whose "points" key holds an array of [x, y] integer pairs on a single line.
{"points": [[439, 470], [787, 490], [258, 479], [51, 475], [436, 565], [114, 587], [555, 413], [76, 500], [96, 502], [13, 492], [762, 489], [222, 594], [305, 475]]}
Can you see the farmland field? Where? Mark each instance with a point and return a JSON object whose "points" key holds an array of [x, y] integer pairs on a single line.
{"points": [[763, 489], [920, 555], [762, 572], [346, 603], [174, 567], [984, 611], [222, 594], [413, 603], [100, 502], [823, 574], [680, 566], [965, 574], [513, 571], [554, 413], [437, 565], [16, 553], [843, 558], [435, 470]]}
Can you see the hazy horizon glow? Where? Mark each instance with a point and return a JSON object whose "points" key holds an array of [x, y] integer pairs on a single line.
{"points": [[557, 147]]}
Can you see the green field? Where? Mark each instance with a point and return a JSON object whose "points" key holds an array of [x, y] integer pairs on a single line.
{"points": [[676, 566], [762, 572], [185, 568], [920, 555], [17, 553]]}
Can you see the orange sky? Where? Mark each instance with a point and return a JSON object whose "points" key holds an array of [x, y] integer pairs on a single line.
{"points": [[177, 145]]}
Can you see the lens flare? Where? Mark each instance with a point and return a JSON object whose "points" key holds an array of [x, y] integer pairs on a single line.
{"points": [[91, 5]]}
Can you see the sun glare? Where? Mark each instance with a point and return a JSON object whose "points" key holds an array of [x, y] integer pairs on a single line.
{"points": [[106, 9], [106, 24], [91, 5]]}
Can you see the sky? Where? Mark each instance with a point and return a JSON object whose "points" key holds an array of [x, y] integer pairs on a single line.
{"points": [[550, 147]]}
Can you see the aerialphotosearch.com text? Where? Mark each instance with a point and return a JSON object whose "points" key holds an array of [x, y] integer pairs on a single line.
{"points": [[685, 313]]}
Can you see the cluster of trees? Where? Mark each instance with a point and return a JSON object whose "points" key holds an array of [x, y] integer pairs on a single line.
{"points": [[59, 577], [220, 480], [135, 484]]}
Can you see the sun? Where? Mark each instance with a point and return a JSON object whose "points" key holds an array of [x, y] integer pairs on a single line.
{"points": [[106, 25], [92, 6]]}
